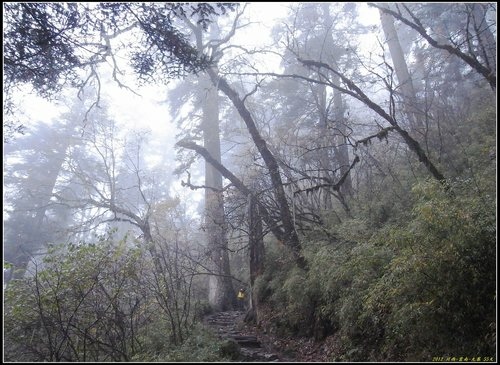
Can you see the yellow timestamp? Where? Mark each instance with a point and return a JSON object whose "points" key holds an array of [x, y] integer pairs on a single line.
{"points": [[463, 359]]}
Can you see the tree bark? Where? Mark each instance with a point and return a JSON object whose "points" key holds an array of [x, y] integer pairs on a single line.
{"points": [[256, 245], [354, 91], [221, 292], [488, 73], [273, 226], [407, 90], [290, 234], [339, 108], [220, 288]]}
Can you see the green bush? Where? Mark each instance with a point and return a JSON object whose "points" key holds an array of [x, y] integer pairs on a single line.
{"points": [[100, 302], [410, 291], [83, 303], [200, 346], [438, 295], [202, 308]]}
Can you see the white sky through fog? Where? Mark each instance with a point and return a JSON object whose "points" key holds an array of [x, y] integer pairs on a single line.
{"points": [[151, 110]]}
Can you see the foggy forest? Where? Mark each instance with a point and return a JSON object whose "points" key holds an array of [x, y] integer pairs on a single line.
{"points": [[263, 182]]}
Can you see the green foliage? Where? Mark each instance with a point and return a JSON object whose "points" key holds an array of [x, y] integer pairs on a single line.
{"points": [[409, 273], [282, 285], [200, 346], [20, 321], [230, 349], [470, 144], [80, 298], [438, 295], [278, 260], [301, 296], [410, 291], [202, 308], [101, 302]]}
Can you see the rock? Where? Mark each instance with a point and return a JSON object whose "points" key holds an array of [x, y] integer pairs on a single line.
{"points": [[270, 357], [239, 344], [230, 348]]}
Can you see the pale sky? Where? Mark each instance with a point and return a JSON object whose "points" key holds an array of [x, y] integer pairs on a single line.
{"points": [[150, 110]]}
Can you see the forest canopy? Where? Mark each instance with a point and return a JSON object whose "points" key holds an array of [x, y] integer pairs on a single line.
{"points": [[335, 161]]}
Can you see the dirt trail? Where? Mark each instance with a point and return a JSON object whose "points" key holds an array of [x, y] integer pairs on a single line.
{"points": [[242, 341]]}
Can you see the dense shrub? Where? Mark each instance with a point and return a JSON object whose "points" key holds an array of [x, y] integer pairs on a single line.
{"points": [[200, 346], [103, 302], [438, 295], [411, 291]]}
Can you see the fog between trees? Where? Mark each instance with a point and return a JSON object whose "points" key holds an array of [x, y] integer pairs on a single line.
{"points": [[347, 184]]}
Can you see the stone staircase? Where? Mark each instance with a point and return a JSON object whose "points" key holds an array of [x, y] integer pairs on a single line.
{"points": [[239, 346]]}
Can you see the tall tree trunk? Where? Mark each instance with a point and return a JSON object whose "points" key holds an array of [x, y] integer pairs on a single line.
{"points": [[487, 43], [405, 83], [221, 293], [341, 145], [326, 158], [290, 234], [256, 244], [220, 289]]}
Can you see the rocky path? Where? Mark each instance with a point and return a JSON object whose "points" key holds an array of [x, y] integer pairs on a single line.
{"points": [[241, 343]]}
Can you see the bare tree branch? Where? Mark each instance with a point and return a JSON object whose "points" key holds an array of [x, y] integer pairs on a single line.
{"points": [[488, 73]]}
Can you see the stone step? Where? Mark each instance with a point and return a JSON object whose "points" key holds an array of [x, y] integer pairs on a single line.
{"points": [[221, 323], [239, 337], [246, 341], [225, 325], [252, 355], [247, 344]]}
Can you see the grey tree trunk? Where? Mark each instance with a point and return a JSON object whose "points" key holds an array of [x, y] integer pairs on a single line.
{"points": [[405, 83], [290, 234], [341, 149], [342, 146], [221, 293], [487, 42], [327, 158], [256, 244]]}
